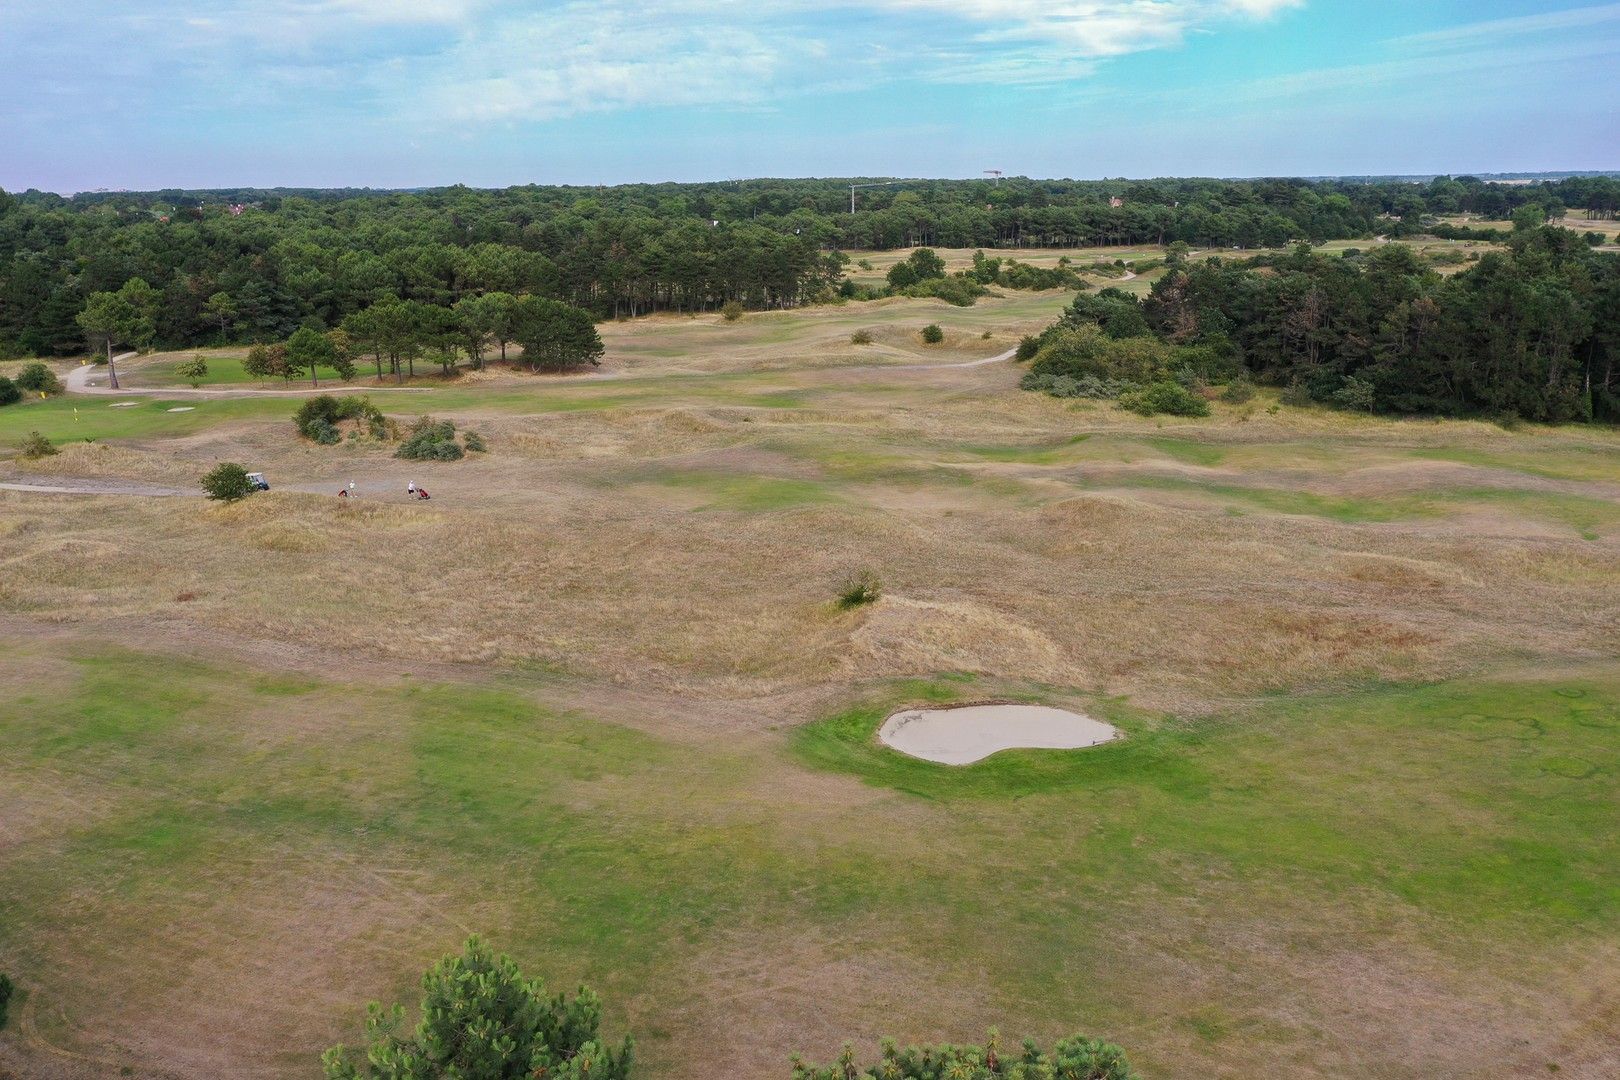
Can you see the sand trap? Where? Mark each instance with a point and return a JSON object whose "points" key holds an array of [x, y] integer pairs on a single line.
{"points": [[122, 404], [974, 732], [184, 408]]}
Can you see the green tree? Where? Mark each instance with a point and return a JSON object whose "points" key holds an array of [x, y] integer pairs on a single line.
{"points": [[227, 482], [344, 353], [119, 317], [194, 371], [222, 308], [481, 1019], [266, 362], [9, 394], [554, 335], [308, 350], [932, 334]]}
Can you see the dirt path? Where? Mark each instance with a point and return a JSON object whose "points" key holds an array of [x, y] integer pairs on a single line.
{"points": [[60, 486]]}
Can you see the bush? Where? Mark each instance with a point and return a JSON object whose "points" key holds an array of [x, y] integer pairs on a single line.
{"points": [[1164, 397], [9, 394], [39, 379], [1238, 391], [1077, 1057], [431, 440], [731, 311], [227, 482], [1069, 386], [35, 446], [1595, 239], [194, 370], [481, 1019], [862, 587], [861, 337], [474, 442], [1358, 394], [932, 334], [1086, 349], [985, 336], [6, 990], [323, 431], [1028, 346], [1298, 395], [319, 417]]}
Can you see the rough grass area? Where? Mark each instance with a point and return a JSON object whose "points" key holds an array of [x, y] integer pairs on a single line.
{"points": [[598, 700], [1264, 889]]}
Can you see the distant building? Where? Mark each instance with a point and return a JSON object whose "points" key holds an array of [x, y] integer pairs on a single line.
{"points": [[1116, 202]]}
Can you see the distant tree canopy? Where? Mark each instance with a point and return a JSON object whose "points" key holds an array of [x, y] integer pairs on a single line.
{"points": [[1533, 332], [316, 258]]}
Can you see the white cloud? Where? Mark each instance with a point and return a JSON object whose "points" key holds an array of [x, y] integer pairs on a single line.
{"points": [[1094, 28], [1520, 26]]}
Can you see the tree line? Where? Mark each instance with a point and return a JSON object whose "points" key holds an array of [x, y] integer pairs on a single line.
{"points": [[1532, 332], [245, 265]]}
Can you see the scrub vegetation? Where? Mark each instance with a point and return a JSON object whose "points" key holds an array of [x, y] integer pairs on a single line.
{"points": [[609, 700]]}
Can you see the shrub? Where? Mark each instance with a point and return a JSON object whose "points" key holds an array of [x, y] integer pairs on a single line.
{"points": [[1358, 394], [1595, 239], [1164, 397], [985, 336], [323, 431], [35, 446], [39, 379], [1077, 1057], [9, 394], [1298, 395], [194, 370], [731, 311], [481, 1019], [1238, 391], [474, 442], [861, 337], [862, 587], [1028, 346], [932, 334], [318, 417], [227, 482], [1086, 349], [864, 264], [6, 990], [1069, 386], [431, 440]]}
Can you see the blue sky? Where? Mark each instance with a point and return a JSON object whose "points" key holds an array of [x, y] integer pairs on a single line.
{"points": [[390, 93]]}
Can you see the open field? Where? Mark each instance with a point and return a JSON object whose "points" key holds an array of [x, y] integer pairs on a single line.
{"points": [[264, 762]]}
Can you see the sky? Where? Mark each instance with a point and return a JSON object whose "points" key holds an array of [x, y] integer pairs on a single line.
{"points": [[406, 93]]}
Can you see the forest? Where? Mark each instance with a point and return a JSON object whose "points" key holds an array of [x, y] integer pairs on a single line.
{"points": [[255, 265], [1529, 333]]}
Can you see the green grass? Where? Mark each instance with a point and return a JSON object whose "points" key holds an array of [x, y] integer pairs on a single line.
{"points": [[1477, 816], [81, 417]]}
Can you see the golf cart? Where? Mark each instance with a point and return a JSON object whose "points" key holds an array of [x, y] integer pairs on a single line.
{"points": [[258, 481]]}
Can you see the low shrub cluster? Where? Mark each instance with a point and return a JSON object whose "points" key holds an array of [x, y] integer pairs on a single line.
{"points": [[1164, 396], [1077, 1057], [435, 440], [319, 417], [859, 589], [35, 446], [36, 378], [861, 337], [227, 482], [9, 393], [932, 334]]}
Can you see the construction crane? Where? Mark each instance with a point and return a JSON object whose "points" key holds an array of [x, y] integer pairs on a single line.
{"points": [[997, 173], [881, 183]]}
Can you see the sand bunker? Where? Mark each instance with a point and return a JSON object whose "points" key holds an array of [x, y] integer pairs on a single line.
{"points": [[974, 732]]}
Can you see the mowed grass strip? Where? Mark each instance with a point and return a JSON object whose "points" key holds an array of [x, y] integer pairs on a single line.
{"points": [[1470, 822]]}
